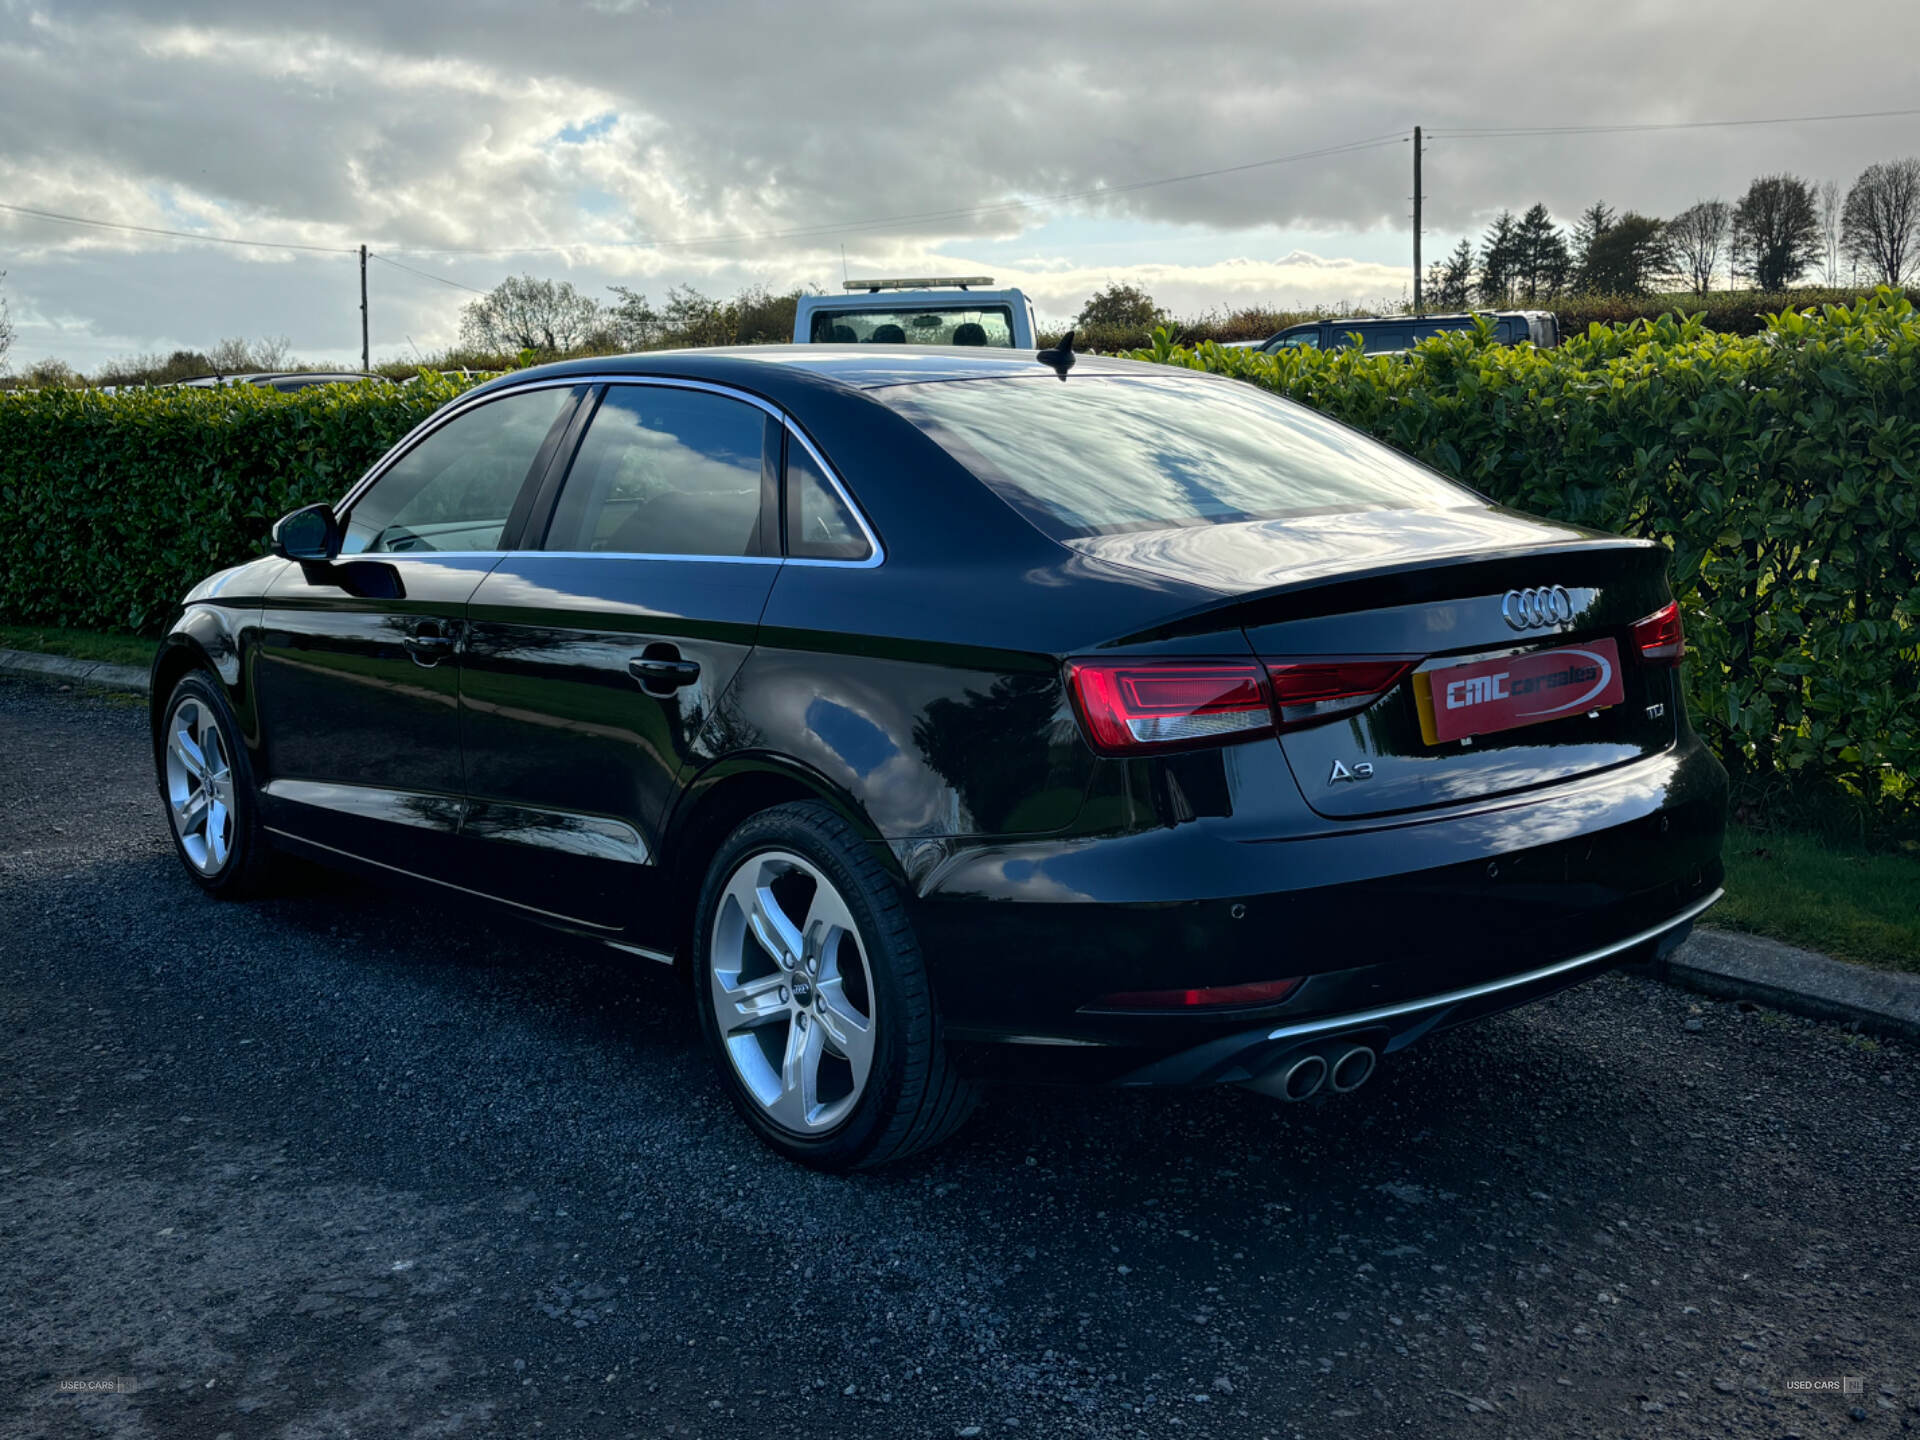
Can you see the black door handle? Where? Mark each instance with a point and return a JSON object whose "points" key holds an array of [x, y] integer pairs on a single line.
{"points": [[661, 673]]}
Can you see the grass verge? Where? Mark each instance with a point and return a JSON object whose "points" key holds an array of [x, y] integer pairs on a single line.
{"points": [[1851, 904], [78, 644]]}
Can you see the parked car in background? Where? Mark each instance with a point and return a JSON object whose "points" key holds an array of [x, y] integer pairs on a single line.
{"points": [[1388, 334], [1147, 726], [284, 380], [963, 310]]}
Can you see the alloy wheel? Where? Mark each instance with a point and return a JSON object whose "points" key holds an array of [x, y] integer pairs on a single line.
{"points": [[200, 785], [792, 992]]}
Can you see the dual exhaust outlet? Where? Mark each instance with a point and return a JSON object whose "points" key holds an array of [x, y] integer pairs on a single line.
{"points": [[1339, 1068]]}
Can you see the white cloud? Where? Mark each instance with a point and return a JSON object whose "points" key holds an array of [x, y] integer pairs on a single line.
{"points": [[430, 129]]}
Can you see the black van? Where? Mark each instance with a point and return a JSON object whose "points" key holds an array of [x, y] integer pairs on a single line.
{"points": [[1390, 333]]}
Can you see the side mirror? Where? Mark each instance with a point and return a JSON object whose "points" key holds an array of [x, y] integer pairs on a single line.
{"points": [[309, 534]]}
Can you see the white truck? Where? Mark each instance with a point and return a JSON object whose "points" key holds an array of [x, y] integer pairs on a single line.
{"points": [[958, 310]]}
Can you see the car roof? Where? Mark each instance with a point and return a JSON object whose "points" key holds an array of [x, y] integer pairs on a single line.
{"points": [[773, 368]]}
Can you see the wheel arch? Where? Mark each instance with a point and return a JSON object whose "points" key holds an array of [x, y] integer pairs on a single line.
{"points": [[724, 795], [203, 638]]}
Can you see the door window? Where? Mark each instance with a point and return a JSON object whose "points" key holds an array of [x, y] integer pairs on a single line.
{"points": [[665, 471], [455, 489]]}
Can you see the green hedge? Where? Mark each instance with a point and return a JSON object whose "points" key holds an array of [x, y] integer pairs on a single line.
{"points": [[1779, 468], [1738, 312], [114, 505]]}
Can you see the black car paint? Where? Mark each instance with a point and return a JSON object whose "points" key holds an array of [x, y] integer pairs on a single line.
{"points": [[923, 698]]}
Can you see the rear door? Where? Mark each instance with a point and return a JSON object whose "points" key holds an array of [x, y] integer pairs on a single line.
{"points": [[358, 668], [598, 654]]}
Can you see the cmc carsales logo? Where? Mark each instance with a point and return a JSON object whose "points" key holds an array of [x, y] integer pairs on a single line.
{"points": [[1529, 609]]}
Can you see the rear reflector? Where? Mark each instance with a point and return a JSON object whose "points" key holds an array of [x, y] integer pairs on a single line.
{"points": [[1660, 636], [1214, 997], [1311, 691], [1129, 706]]}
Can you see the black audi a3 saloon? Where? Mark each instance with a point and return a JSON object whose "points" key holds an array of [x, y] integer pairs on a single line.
{"points": [[938, 712]]}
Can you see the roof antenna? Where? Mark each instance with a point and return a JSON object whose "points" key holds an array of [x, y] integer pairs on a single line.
{"points": [[1059, 359]]}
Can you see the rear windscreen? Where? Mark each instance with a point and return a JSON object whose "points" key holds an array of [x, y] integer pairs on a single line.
{"points": [[1107, 453], [989, 325]]}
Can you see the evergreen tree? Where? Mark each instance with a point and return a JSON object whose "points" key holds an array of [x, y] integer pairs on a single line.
{"points": [[1499, 259], [1628, 256], [1543, 262], [1453, 290], [1594, 223]]}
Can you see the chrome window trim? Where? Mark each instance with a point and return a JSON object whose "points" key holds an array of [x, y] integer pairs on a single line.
{"points": [[462, 404], [454, 408]]}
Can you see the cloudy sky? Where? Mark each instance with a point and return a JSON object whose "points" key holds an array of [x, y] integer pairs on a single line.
{"points": [[648, 143]]}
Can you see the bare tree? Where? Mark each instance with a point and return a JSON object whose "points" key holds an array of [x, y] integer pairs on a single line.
{"points": [[1695, 238], [1776, 231], [1829, 196], [6, 329], [236, 355], [1880, 224], [522, 313], [274, 352]]}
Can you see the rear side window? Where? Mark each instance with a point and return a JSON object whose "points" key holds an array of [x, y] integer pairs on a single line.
{"points": [[665, 471], [1102, 454], [455, 489], [819, 525]]}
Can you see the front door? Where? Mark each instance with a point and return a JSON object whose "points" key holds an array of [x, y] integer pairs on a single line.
{"points": [[596, 657], [358, 667]]}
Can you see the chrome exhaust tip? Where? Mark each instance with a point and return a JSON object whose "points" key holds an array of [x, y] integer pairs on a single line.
{"points": [[1302, 1078], [1352, 1070]]}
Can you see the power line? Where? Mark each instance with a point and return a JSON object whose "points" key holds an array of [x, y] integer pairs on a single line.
{"points": [[1490, 132], [175, 234], [424, 275]]}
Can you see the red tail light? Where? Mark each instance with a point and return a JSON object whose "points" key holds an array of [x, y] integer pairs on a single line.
{"points": [[1311, 691], [1217, 997], [1129, 706], [1660, 636]]}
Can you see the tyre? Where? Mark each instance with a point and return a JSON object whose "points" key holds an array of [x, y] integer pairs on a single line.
{"points": [[814, 999], [207, 787]]}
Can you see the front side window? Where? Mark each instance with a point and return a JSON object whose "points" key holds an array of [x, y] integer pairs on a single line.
{"points": [[455, 489], [1103, 454], [990, 325], [665, 471], [1305, 339]]}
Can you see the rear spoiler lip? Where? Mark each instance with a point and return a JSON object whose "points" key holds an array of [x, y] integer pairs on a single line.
{"points": [[1316, 595]]}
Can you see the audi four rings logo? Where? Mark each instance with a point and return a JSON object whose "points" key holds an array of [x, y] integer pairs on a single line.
{"points": [[1529, 609]]}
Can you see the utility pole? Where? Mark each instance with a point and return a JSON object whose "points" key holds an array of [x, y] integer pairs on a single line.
{"points": [[1416, 221], [365, 357]]}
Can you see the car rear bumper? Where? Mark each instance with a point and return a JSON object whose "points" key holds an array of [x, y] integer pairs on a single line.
{"points": [[1433, 919], [1263, 1050]]}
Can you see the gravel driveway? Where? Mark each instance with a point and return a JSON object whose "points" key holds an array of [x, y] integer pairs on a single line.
{"points": [[356, 1162]]}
